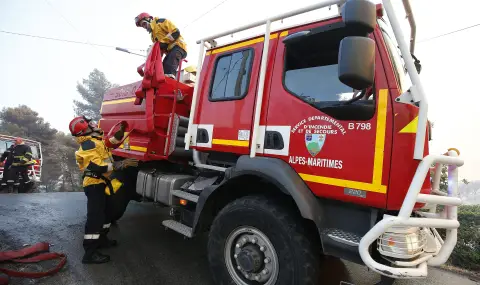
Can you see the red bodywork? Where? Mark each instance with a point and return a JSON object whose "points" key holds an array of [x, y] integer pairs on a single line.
{"points": [[147, 106], [374, 156]]}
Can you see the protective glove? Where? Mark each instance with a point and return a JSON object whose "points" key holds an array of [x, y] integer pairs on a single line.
{"points": [[120, 133], [130, 162], [117, 165]]}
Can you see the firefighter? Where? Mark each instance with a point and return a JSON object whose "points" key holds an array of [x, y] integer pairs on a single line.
{"points": [[95, 160], [6, 161], [22, 159], [171, 42]]}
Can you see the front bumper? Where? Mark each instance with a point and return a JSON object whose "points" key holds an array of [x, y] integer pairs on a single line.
{"points": [[430, 248]]}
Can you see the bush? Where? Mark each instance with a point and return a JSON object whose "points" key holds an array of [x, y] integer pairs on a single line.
{"points": [[466, 254]]}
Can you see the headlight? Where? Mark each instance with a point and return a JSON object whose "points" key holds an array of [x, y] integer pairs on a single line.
{"points": [[402, 242]]}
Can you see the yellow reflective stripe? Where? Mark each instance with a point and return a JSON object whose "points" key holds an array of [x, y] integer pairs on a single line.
{"points": [[231, 142], [244, 44], [376, 185], [138, 148], [235, 46], [119, 101], [380, 137], [410, 128], [344, 183]]}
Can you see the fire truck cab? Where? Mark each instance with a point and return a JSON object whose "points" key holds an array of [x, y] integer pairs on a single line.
{"points": [[307, 141]]}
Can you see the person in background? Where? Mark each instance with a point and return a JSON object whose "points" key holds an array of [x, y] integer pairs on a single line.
{"points": [[6, 161], [22, 159], [168, 35], [94, 158]]}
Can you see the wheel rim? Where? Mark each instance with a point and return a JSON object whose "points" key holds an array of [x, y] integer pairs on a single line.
{"points": [[250, 257]]}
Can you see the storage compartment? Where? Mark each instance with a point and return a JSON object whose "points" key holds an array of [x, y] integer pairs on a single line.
{"points": [[145, 183], [158, 186]]}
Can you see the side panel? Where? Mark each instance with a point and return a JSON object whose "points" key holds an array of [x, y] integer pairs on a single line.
{"points": [[351, 160], [404, 130], [229, 121]]}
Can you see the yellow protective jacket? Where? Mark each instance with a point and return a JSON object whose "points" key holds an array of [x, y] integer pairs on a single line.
{"points": [[94, 157], [166, 33]]}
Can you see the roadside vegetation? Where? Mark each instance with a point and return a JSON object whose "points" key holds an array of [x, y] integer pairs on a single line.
{"points": [[466, 255]]}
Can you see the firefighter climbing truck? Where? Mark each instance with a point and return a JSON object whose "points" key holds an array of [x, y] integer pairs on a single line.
{"points": [[34, 170], [302, 142]]}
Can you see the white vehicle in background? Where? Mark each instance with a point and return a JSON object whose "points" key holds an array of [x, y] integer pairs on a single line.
{"points": [[35, 170]]}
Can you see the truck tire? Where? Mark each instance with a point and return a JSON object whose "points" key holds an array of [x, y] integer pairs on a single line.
{"points": [[256, 240]]}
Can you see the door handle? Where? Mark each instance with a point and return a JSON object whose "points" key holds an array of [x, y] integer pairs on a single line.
{"points": [[202, 136], [273, 140]]}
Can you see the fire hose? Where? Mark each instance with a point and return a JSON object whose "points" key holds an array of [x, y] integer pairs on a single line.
{"points": [[26, 255]]}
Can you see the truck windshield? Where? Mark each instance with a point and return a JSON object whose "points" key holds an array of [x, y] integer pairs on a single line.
{"points": [[311, 69], [4, 145], [395, 55], [35, 153]]}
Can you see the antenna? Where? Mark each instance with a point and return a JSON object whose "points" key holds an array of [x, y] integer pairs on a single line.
{"points": [[127, 51]]}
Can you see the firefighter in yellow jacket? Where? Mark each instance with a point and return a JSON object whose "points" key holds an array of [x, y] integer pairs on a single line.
{"points": [[168, 35], [97, 164]]}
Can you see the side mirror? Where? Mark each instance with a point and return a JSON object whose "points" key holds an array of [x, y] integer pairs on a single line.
{"points": [[360, 16], [356, 62]]}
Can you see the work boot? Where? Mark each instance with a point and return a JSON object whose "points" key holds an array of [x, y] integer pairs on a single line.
{"points": [[105, 242], [95, 257]]}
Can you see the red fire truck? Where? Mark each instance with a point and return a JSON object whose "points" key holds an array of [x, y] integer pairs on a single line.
{"points": [[34, 171], [317, 147]]}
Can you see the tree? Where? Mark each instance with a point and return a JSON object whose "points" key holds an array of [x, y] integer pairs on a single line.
{"points": [[24, 122], [92, 91], [59, 170]]}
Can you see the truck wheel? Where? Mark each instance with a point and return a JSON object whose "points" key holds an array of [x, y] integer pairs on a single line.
{"points": [[255, 240]]}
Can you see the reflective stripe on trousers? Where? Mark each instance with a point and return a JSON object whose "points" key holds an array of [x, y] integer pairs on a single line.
{"points": [[92, 236]]}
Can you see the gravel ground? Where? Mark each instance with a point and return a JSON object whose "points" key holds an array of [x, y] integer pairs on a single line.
{"points": [[147, 254]]}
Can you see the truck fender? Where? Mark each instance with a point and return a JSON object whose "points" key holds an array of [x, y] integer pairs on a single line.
{"points": [[277, 172]]}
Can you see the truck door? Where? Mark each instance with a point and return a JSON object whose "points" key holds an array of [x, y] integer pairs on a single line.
{"points": [[224, 116], [336, 138]]}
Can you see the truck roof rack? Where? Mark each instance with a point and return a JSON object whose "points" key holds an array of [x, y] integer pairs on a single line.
{"points": [[415, 93]]}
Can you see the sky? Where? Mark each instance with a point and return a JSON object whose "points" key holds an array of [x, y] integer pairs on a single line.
{"points": [[43, 74]]}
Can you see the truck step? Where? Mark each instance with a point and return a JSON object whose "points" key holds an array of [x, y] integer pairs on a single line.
{"points": [[183, 121], [178, 227], [181, 152], [180, 141], [185, 195], [344, 237]]}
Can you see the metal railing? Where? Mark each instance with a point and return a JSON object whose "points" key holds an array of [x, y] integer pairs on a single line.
{"points": [[446, 220], [416, 91]]}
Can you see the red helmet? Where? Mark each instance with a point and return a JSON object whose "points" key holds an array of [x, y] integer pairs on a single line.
{"points": [[79, 126], [140, 17]]}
